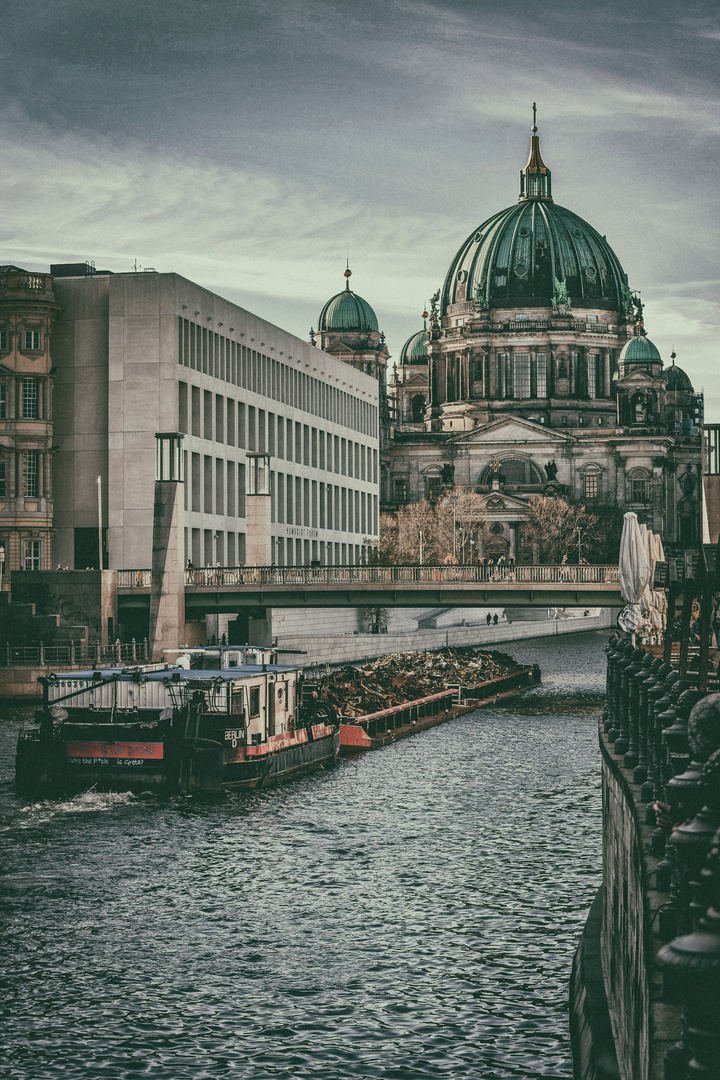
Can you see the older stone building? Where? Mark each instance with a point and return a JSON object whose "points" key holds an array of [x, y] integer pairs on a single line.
{"points": [[534, 375], [27, 313]]}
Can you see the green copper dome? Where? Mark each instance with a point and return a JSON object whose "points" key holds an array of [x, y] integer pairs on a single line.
{"points": [[534, 251], [640, 350], [676, 378], [414, 351], [348, 311]]}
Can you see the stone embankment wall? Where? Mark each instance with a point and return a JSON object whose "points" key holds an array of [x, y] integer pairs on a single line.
{"points": [[354, 648], [645, 987], [645, 1026], [22, 682]]}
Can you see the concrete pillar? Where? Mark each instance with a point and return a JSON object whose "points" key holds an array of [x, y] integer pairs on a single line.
{"points": [[258, 536], [167, 590]]}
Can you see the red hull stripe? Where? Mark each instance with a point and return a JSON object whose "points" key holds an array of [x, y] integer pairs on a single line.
{"points": [[278, 742], [114, 750]]}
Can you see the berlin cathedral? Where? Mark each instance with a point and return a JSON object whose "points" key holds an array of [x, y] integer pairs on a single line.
{"points": [[532, 374]]}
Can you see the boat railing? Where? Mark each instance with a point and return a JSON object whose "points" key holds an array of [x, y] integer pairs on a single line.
{"points": [[239, 576]]}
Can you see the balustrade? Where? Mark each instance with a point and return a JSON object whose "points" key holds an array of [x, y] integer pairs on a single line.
{"points": [[238, 576], [73, 653], [672, 732]]}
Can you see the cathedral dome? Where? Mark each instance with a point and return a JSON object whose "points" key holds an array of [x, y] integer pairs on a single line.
{"points": [[640, 349], [676, 378], [347, 311], [414, 351], [515, 258]]}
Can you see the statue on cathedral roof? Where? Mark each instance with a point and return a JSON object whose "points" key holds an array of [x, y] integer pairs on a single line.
{"points": [[561, 298]]}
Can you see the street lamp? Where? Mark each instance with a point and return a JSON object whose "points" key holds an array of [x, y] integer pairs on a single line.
{"points": [[420, 534], [579, 532], [453, 500]]}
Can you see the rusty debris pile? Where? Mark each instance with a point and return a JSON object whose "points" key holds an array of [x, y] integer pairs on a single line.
{"points": [[400, 677]]}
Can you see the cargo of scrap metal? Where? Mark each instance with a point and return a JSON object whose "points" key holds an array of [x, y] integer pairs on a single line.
{"points": [[402, 693]]}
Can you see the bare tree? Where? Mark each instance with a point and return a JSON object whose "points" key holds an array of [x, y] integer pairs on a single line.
{"points": [[372, 620], [456, 524], [460, 517], [554, 524]]}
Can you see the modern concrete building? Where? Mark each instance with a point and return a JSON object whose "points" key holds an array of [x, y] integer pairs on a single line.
{"points": [[141, 353]]}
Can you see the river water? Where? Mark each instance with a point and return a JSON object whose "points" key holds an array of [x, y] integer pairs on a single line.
{"points": [[411, 913]]}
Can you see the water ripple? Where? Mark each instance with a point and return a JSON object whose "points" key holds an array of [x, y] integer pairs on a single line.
{"points": [[411, 913]]}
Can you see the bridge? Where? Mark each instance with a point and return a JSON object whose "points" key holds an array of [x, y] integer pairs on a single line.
{"points": [[227, 589]]}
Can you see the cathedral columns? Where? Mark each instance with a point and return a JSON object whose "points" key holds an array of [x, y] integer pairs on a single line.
{"points": [[608, 374]]}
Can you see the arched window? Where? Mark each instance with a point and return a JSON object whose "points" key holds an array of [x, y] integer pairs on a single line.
{"points": [[639, 486], [514, 471], [433, 483], [591, 482], [639, 409]]}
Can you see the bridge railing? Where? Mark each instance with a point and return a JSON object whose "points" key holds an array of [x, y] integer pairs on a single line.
{"points": [[382, 575]]}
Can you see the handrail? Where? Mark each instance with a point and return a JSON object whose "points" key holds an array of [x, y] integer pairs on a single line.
{"points": [[238, 576], [73, 653]]}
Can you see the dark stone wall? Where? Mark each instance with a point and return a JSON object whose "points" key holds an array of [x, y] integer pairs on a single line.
{"points": [[645, 1026], [85, 598]]}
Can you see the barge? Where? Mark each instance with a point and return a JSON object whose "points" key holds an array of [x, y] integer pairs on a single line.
{"points": [[225, 718], [398, 722]]}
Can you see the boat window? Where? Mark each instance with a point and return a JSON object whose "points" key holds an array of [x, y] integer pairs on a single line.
{"points": [[254, 700]]}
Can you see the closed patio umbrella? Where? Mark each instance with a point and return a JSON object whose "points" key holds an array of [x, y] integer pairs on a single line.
{"points": [[633, 572]]}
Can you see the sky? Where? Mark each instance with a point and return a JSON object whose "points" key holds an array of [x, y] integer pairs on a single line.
{"points": [[255, 145]]}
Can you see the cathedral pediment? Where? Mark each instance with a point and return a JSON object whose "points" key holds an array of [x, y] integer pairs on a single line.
{"points": [[414, 382], [512, 429], [638, 377], [498, 502]]}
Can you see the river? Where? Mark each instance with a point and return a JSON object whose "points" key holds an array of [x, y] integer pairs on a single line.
{"points": [[409, 914]]}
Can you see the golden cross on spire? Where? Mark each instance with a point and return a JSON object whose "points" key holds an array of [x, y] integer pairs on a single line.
{"points": [[534, 117]]}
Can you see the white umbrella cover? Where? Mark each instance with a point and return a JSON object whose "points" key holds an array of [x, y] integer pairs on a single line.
{"points": [[633, 571]]}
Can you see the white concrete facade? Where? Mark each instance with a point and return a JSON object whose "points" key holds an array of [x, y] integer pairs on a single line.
{"points": [[140, 353]]}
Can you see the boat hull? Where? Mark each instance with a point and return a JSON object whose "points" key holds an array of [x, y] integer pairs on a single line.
{"points": [[48, 767], [399, 722]]}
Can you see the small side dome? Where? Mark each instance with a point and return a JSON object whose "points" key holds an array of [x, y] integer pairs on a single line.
{"points": [[414, 351], [346, 311], [639, 350], [676, 378]]}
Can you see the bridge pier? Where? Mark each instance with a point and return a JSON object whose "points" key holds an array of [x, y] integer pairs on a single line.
{"points": [[167, 589]]}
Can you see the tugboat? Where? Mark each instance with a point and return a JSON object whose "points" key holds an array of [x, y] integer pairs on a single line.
{"points": [[223, 718]]}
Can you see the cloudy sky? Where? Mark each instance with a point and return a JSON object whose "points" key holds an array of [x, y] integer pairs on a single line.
{"points": [[254, 145]]}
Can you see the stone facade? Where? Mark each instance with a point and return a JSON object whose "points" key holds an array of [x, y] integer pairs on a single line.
{"points": [[534, 372], [27, 315]]}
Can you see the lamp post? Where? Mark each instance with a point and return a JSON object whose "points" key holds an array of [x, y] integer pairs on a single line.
{"points": [[420, 534], [579, 532], [100, 521]]}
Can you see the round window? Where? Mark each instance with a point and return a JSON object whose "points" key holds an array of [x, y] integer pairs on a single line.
{"points": [[497, 529], [590, 272], [521, 269], [462, 276], [477, 237]]}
